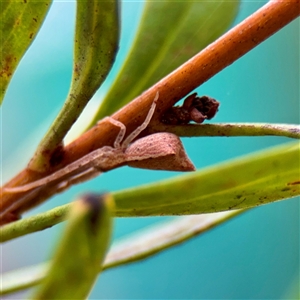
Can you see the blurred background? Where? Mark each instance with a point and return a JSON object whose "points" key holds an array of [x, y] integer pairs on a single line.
{"points": [[254, 256]]}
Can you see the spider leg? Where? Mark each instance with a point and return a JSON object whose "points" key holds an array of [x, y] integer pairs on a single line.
{"points": [[121, 134], [139, 129]]}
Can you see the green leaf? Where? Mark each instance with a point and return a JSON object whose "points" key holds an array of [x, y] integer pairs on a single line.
{"points": [[20, 23], [81, 251], [162, 236], [170, 33], [252, 180], [140, 245], [234, 129], [95, 48], [256, 179]]}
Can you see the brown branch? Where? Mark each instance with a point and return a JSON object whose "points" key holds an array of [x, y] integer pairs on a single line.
{"points": [[217, 56], [231, 46]]}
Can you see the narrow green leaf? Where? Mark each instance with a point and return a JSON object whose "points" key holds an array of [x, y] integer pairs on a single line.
{"points": [[162, 236], [252, 180], [140, 245], [233, 129], [170, 33], [256, 179], [95, 48], [20, 23], [81, 251]]}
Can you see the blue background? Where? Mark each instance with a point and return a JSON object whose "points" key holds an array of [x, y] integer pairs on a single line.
{"points": [[254, 256]]}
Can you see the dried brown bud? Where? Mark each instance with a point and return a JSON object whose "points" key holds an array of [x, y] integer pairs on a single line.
{"points": [[194, 108]]}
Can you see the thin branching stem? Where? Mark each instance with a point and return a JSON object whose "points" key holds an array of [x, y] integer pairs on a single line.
{"points": [[34, 223], [233, 129]]}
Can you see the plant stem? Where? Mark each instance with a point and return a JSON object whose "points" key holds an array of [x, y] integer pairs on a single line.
{"points": [[228, 48], [34, 223], [232, 129], [213, 59]]}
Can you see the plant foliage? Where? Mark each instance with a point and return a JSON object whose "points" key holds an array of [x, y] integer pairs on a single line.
{"points": [[159, 48]]}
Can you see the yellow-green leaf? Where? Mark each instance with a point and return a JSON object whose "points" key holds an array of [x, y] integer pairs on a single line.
{"points": [[169, 34], [139, 245], [252, 180], [20, 22], [95, 48], [81, 251]]}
